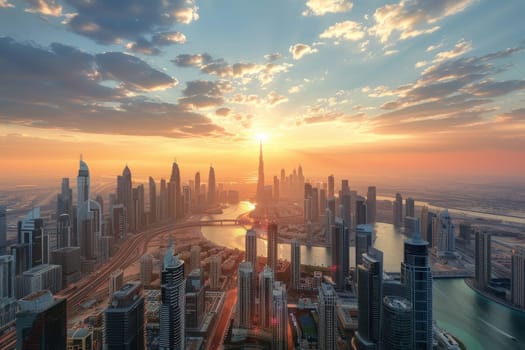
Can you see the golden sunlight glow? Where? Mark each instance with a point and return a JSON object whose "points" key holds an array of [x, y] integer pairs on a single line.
{"points": [[262, 137]]}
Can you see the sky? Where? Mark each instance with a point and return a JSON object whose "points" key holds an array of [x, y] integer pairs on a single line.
{"points": [[364, 88]]}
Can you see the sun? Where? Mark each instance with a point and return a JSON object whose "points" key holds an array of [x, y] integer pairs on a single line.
{"points": [[261, 137]]}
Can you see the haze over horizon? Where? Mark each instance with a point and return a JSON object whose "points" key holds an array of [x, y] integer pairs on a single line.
{"points": [[415, 87]]}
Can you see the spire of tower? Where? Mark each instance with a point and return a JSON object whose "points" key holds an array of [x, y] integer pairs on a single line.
{"points": [[260, 178]]}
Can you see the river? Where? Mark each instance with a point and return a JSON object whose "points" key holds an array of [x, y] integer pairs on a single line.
{"points": [[479, 322]]}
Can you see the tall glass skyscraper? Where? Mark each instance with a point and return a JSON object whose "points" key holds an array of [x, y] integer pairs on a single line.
{"points": [[245, 295], [340, 252], [327, 317]]}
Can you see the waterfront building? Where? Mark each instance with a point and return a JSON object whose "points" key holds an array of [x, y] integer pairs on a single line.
{"points": [[446, 239], [295, 268], [371, 205], [340, 253], [211, 187], [124, 319], [410, 207], [482, 259], [146, 269], [31, 236], [361, 212], [363, 241], [245, 295], [398, 210], [41, 322], [327, 317], [397, 324], [265, 297], [116, 281], [153, 214], [172, 312], [195, 257], [3, 229], [272, 245], [250, 245], [279, 319], [518, 277], [215, 272], [369, 298], [417, 278], [194, 307], [411, 225]]}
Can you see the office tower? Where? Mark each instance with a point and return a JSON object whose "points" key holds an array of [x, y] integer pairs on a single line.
{"points": [[89, 229], [146, 269], [80, 339], [327, 317], [397, 329], [417, 278], [163, 200], [446, 240], [361, 211], [295, 275], [369, 298], [31, 236], [330, 204], [195, 257], [279, 320], [172, 312], [83, 183], [308, 190], [482, 262], [64, 214], [276, 189], [177, 205], [100, 201], [340, 252], [328, 225], [125, 197], [152, 201], [186, 200], [3, 229], [116, 281], [345, 188], [464, 232], [215, 272], [371, 206], [331, 188], [307, 211], [197, 189], [41, 322], [124, 318], [250, 248], [346, 202], [315, 205], [260, 176], [409, 207], [398, 210], [517, 290], [245, 295], [119, 219], [41, 277], [363, 241], [195, 305], [424, 223], [322, 200], [431, 235], [138, 207], [7, 276], [211, 187], [411, 225], [272, 245], [265, 297], [69, 259]]}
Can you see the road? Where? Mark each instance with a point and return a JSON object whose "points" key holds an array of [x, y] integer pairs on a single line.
{"points": [[224, 322]]}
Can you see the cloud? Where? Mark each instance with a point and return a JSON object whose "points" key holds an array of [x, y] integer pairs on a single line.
{"points": [[272, 57], [347, 30], [411, 18], [433, 47], [420, 64], [300, 50], [322, 7], [62, 87], [496, 88], [111, 21], [223, 112], [44, 7], [461, 48], [5, 4], [220, 68], [132, 72], [271, 100], [204, 93], [274, 98], [151, 47], [295, 89]]}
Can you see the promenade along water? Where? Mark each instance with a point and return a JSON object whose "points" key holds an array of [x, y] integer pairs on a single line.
{"points": [[479, 322]]}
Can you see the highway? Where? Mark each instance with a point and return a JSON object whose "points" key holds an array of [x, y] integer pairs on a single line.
{"points": [[224, 321]]}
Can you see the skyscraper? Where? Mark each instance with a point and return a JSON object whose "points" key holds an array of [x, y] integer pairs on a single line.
{"points": [[172, 312], [397, 327], [424, 223], [446, 239], [482, 262], [279, 320], [340, 252], [41, 322], [194, 307], [211, 187], [296, 264], [83, 183], [250, 245], [276, 189], [116, 281], [371, 205], [197, 189], [89, 229], [153, 215], [331, 188], [272, 245], [163, 200], [7, 276], [363, 241], [260, 176], [245, 295], [417, 278], [215, 271], [195, 257], [517, 291], [315, 205], [370, 280], [265, 297], [361, 212], [125, 197], [124, 319], [176, 192], [327, 317], [64, 214], [398, 210], [409, 207], [146, 269], [31, 236], [3, 229]]}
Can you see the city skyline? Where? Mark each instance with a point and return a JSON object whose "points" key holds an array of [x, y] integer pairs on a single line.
{"points": [[412, 85]]}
